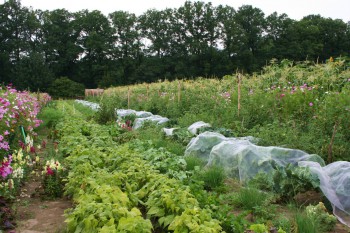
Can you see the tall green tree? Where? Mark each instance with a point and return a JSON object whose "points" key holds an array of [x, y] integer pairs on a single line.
{"points": [[95, 42], [32, 73], [277, 35], [59, 41], [332, 35], [199, 29], [19, 28], [231, 36], [127, 46], [252, 21]]}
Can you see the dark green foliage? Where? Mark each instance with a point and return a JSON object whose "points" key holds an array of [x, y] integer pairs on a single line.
{"points": [[102, 51], [53, 185], [66, 88], [32, 73]]}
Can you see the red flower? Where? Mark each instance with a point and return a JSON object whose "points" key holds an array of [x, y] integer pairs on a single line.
{"points": [[49, 171], [22, 145], [43, 144]]}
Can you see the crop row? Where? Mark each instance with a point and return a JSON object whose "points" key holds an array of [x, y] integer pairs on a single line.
{"points": [[116, 190]]}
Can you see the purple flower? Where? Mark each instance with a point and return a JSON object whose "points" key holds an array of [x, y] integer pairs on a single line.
{"points": [[311, 104]]}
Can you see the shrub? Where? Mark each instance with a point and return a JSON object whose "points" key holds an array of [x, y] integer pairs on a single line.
{"points": [[66, 88]]}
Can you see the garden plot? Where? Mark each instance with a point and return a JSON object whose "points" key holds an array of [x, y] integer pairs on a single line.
{"points": [[242, 159]]}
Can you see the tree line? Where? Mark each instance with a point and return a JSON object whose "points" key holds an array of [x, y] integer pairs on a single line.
{"points": [[197, 39]]}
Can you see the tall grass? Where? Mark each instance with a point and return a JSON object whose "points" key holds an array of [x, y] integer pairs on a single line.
{"points": [[304, 223]]}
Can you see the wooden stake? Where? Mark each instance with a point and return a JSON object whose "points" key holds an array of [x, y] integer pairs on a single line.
{"points": [[330, 147], [147, 92], [239, 94], [128, 97], [179, 92]]}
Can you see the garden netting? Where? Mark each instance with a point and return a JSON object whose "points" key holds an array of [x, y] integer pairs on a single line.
{"points": [[242, 159], [141, 117], [193, 129], [93, 106], [335, 185]]}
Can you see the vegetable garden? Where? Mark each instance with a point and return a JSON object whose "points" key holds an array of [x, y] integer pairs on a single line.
{"points": [[125, 174]]}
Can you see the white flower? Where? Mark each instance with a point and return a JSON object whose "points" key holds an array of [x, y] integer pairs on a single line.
{"points": [[17, 173]]}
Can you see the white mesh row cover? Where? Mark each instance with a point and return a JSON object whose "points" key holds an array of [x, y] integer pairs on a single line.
{"points": [[202, 144], [169, 131], [242, 159], [138, 122], [141, 117], [91, 105], [193, 129], [335, 185], [125, 112]]}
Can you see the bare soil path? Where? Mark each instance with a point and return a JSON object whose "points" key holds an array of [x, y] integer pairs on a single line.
{"points": [[34, 213]]}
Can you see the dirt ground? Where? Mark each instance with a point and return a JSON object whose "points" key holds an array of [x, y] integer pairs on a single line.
{"points": [[34, 214]]}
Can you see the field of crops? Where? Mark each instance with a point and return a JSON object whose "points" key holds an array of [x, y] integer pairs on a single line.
{"points": [[255, 164]]}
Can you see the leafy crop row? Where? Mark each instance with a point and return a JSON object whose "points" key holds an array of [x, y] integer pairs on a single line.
{"points": [[116, 190]]}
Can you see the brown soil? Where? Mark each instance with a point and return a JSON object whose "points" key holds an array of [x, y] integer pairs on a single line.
{"points": [[34, 214]]}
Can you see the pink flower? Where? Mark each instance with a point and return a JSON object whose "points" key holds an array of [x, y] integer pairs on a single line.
{"points": [[4, 145], [6, 168], [6, 133], [311, 104]]}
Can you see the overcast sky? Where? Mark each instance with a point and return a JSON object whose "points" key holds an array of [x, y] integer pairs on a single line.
{"points": [[295, 9]]}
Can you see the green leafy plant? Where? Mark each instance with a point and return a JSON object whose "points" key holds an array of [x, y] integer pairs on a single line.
{"points": [[286, 181], [259, 228], [319, 213]]}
